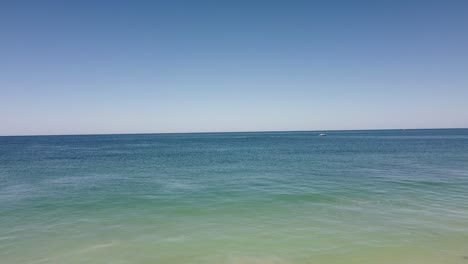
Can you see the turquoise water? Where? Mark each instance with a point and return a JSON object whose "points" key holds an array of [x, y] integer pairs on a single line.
{"points": [[396, 196]]}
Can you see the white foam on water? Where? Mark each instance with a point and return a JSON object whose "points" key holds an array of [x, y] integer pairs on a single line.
{"points": [[257, 260]]}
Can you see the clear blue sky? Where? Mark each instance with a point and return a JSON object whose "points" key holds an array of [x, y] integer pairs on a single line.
{"points": [[71, 67]]}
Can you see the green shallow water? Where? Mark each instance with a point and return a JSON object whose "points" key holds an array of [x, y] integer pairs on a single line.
{"points": [[288, 197]]}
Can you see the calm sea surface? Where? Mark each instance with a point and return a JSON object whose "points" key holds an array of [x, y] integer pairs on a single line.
{"points": [[395, 196]]}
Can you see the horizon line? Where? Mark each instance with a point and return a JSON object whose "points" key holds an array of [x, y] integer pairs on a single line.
{"points": [[220, 132]]}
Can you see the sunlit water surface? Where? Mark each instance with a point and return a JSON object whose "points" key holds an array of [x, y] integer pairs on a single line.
{"points": [[397, 196]]}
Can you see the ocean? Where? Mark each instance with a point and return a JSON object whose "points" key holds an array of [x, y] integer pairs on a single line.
{"points": [[382, 196]]}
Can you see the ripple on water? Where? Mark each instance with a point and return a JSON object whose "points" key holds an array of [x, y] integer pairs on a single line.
{"points": [[257, 260]]}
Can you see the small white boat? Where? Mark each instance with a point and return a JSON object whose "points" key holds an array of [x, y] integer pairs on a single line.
{"points": [[322, 134]]}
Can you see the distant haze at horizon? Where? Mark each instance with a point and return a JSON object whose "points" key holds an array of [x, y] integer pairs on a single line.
{"points": [[332, 131], [180, 66]]}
